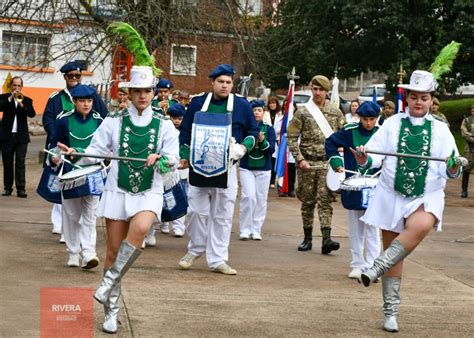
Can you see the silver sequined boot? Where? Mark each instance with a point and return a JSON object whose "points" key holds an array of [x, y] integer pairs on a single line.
{"points": [[111, 309], [395, 253], [127, 254], [391, 301]]}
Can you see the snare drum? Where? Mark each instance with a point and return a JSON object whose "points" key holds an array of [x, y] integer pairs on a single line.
{"points": [[83, 182], [356, 191]]}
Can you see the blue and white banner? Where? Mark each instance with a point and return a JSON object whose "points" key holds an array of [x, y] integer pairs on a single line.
{"points": [[210, 140]]}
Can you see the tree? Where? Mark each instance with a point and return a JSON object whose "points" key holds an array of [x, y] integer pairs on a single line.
{"points": [[314, 36]]}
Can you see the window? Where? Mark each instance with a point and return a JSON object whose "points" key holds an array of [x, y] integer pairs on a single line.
{"points": [[183, 60], [251, 7], [21, 49]]}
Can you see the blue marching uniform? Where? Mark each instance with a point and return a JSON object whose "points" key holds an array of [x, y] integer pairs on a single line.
{"points": [[255, 175], [360, 234]]}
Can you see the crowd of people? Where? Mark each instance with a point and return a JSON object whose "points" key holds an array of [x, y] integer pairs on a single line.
{"points": [[217, 139]]}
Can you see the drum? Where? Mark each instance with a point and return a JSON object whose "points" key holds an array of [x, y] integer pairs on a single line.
{"points": [[334, 179], [49, 187], [356, 191], [175, 199], [83, 182]]}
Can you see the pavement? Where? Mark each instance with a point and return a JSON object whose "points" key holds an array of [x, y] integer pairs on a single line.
{"points": [[277, 292]]}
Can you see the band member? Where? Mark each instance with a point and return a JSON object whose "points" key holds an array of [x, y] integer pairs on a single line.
{"points": [[255, 173], [59, 102], [75, 129], [163, 98], [205, 138], [467, 131], [409, 197], [14, 137], [360, 234], [133, 195]]}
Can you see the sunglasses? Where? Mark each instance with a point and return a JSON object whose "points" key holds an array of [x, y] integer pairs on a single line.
{"points": [[73, 76]]}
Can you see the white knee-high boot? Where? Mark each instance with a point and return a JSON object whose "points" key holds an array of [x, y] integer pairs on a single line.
{"points": [[391, 301], [111, 309]]}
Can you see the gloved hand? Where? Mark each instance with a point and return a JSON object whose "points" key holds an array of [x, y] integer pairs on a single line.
{"points": [[236, 150], [454, 161]]}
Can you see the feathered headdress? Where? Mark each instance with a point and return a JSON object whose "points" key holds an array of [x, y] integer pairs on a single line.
{"points": [[135, 45], [444, 61]]}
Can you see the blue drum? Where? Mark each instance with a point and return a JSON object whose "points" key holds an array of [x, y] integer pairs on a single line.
{"points": [[175, 198], [49, 186], [83, 182]]}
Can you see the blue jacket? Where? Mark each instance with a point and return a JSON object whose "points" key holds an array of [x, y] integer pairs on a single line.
{"points": [[345, 138], [54, 107], [268, 151], [243, 125]]}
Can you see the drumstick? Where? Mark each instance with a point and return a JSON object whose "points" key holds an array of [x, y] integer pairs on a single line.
{"points": [[62, 158], [110, 157]]}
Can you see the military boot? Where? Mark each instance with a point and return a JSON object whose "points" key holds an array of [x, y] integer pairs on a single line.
{"points": [[308, 239], [465, 183], [328, 244]]}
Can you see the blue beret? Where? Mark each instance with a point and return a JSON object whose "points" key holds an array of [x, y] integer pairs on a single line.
{"points": [[368, 109], [222, 70], [82, 92], [71, 66], [176, 110], [257, 103], [164, 83]]}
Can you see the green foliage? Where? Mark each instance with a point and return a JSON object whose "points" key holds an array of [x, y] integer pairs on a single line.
{"points": [[456, 111], [314, 36], [135, 45]]}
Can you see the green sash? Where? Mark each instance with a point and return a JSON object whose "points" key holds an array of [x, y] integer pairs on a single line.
{"points": [[410, 174], [135, 141], [256, 158]]}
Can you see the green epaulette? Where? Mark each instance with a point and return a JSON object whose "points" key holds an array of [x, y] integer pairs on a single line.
{"points": [[64, 114], [53, 94], [158, 112], [96, 115], [351, 125]]}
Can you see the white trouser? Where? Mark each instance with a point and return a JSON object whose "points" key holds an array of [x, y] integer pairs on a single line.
{"points": [[210, 220], [56, 217], [253, 203], [178, 225], [80, 233], [360, 234]]}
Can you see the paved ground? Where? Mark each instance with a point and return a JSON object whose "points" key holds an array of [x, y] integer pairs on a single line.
{"points": [[278, 291]]}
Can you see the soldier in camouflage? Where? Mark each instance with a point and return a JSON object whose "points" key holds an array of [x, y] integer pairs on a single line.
{"points": [[467, 131], [311, 162]]}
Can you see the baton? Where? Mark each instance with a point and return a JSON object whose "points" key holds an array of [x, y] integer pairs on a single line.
{"points": [[421, 157], [108, 157]]}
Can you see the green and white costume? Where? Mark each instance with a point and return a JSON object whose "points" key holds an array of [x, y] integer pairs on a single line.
{"points": [[404, 183], [131, 187]]}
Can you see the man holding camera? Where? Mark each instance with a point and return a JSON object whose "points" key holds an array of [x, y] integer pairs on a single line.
{"points": [[15, 136]]}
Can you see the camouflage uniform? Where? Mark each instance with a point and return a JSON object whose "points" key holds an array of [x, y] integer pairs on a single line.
{"points": [[440, 116], [467, 131], [312, 188]]}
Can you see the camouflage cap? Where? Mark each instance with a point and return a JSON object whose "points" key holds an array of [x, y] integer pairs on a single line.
{"points": [[322, 81]]}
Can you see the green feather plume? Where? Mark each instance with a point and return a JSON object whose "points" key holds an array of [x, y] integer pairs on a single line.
{"points": [[444, 61], [135, 45]]}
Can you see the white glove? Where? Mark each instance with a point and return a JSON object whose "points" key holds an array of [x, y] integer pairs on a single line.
{"points": [[236, 150]]}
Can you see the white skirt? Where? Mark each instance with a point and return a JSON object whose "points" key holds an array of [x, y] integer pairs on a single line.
{"points": [[121, 206], [387, 209]]}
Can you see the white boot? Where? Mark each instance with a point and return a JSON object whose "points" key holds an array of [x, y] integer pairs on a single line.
{"points": [[391, 301], [111, 310]]}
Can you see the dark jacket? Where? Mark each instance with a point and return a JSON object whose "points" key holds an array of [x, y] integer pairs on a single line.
{"points": [[9, 112]]}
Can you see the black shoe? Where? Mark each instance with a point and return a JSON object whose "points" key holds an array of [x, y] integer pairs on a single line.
{"points": [[21, 194], [7, 192], [328, 246], [464, 194], [307, 244], [291, 194]]}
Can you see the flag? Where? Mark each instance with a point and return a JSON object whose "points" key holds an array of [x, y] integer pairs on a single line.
{"points": [[7, 85], [399, 102], [281, 165], [374, 95], [335, 91]]}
